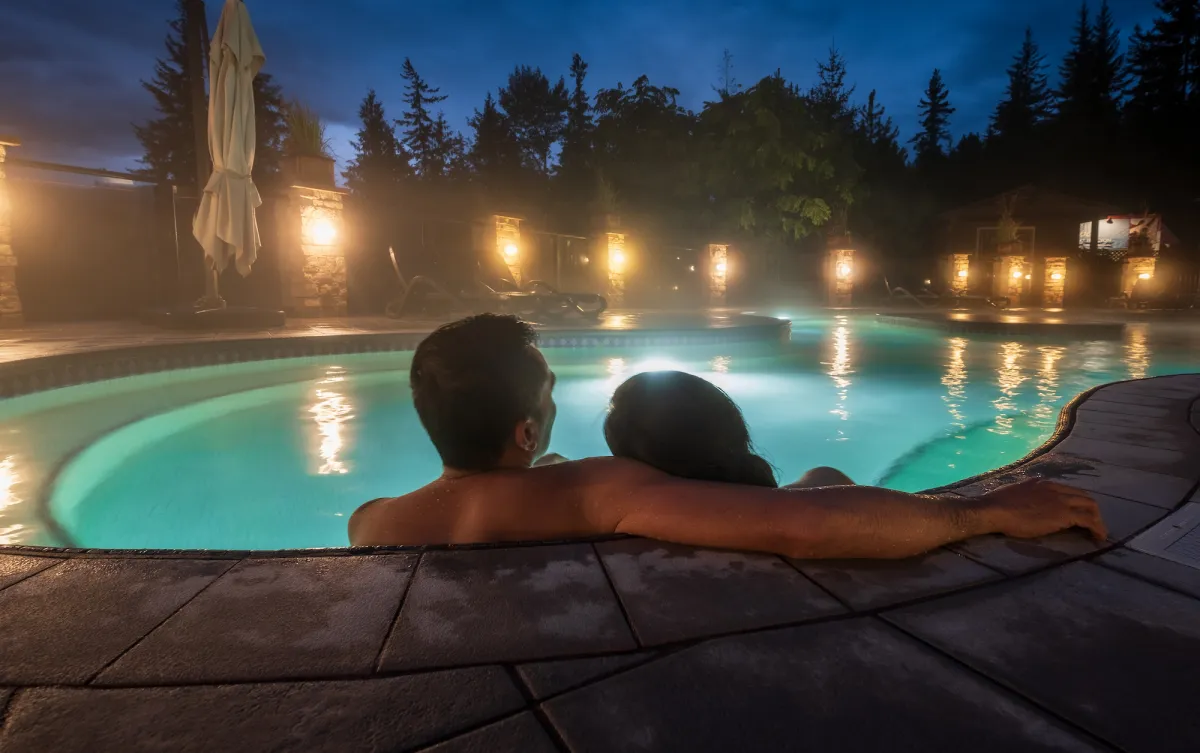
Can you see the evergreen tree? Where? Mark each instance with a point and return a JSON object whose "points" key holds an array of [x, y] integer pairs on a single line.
{"points": [[169, 142], [1026, 103], [379, 162], [419, 126], [1108, 66], [935, 112], [494, 153], [727, 85], [875, 125], [1075, 71], [448, 151], [537, 113], [270, 128], [577, 137], [1164, 63], [830, 97]]}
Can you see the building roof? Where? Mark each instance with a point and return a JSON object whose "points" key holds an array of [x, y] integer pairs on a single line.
{"points": [[1032, 201]]}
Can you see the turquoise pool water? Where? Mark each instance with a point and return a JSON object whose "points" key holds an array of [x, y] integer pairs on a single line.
{"points": [[278, 454]]}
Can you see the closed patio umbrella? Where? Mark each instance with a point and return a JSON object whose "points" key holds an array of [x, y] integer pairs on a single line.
{"points": [[225, 225]]}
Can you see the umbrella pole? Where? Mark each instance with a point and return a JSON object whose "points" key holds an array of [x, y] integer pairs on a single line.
{"points": [[197, 36]]}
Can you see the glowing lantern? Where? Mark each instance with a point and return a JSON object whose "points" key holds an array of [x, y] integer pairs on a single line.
{"points": [[510, 252], [962, 273], [1144, 276], [1056, 276], [1017, 273], [843, 271], [321, 232]]}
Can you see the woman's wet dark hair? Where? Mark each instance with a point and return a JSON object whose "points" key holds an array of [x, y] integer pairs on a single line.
{"points": [[685, 426]]}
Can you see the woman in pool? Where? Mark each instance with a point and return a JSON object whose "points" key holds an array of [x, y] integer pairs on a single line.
{"points": [[688, 427]]}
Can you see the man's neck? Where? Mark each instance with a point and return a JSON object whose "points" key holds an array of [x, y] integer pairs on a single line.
{"points": [[450, 474]]}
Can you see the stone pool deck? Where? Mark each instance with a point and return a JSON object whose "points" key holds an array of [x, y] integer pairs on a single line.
{"points": [[631, 645]]}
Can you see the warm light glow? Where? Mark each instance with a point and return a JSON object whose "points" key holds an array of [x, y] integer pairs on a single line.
{"points": [[322, 232], [330, 411], [840, 371], [843, 271], [1017, 273], [1028, 277], [616, 366], [616, 260], [1056, 276], [962, 273], [692, 268], [9, 478], [928, 283], [1144, 276], [583, 260], [510, 252], [721, 267]]}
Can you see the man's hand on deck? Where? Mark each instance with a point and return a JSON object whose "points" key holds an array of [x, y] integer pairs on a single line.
{"points": [[1037, 508]]}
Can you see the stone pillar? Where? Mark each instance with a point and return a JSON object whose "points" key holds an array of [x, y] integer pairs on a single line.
{"points": [[960, 271], [10, 298], [508, 245], [1055, 284], [1008, 278], [839, 276], [314, 254], [1136, 269], [618, 265], [718, 273]]}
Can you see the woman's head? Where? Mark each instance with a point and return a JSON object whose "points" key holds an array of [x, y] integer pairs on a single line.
{"points": [[685, 426]]}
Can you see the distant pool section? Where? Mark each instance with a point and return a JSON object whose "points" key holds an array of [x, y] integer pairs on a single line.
{"points": [[277, 455]]}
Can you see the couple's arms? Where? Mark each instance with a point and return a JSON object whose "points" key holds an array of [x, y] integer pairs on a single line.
{"points": [[841, 521]]}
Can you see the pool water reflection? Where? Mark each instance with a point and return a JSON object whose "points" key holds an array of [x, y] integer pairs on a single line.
{"points": [[284, 465]]}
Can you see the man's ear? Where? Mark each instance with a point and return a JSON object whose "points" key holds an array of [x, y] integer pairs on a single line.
{"points": [[527, 435]]}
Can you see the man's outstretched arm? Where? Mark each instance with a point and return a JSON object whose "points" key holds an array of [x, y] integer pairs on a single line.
{"points": [[845, 522]]}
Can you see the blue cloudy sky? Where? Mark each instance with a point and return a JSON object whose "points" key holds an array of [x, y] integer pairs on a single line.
{"points": [[69, 69]]}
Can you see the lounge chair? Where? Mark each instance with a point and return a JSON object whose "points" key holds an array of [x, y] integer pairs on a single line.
{"points": [[541, 302]]}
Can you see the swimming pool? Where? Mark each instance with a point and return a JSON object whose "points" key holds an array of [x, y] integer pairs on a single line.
{"points": [[277, 454]]}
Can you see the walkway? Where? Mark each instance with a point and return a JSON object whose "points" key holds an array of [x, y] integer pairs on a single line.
{"points": [[627, 644]]}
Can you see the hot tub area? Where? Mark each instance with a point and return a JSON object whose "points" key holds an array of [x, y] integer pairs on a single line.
{"points": [[173, 558]]}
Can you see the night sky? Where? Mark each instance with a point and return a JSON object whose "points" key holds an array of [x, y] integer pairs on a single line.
{"points": [[69, 69]]}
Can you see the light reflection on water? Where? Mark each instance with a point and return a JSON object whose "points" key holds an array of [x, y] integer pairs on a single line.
{"points": [[331, 411], [1137, 351], [840, 370], [10, 533]]}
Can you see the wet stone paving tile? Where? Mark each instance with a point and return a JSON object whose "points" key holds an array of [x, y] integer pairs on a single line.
{"points": [[519, 734], [399, 713], [675, 593], [1109, 652], [276, 618], [14, 568], [844, 685], [869, 584], [548, 678], [50, 634], [517, 604]]}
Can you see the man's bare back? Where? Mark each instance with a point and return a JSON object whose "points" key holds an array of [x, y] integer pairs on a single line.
{"points": [[601, 496]]}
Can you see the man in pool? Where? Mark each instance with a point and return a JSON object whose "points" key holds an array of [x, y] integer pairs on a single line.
{"points": [[483, 393]]}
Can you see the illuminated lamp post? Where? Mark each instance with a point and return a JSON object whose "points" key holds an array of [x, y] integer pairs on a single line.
{"points": [[1055, 283], [718, 273], [1135, 269], [1008, 278], [508, 245], [10, 299], [960, 271], [839, 276]]}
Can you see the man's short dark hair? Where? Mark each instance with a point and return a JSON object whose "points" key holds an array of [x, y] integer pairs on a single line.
{"points": [[472, 382]]}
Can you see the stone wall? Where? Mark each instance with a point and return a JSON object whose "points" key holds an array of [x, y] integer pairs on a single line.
{"points": [[618, 262], [718, 273], [10, 299], [1008, 278], [839, 276], [508, 245], [960, 271], [1132, 270], [314, 255], [1054, 286]]}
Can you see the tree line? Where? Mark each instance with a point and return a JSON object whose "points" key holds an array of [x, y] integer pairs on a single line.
{"points": [[1116, 121]]}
